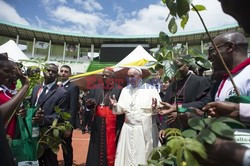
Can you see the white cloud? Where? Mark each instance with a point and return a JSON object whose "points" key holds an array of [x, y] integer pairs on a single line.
{"points": [[151, 20], [134, 13], [147, 21], [213, 17], [50, 3], [62, 1], [9, 13], [40, 23], [63, 16], [89, 5], [73, 29], [73, 16], [121, 15]]}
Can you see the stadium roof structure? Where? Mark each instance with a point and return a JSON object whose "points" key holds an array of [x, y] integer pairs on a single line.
{"points": [[29, 33]]}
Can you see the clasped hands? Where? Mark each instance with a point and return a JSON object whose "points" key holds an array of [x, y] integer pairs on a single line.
{"points": [[38, 117]]}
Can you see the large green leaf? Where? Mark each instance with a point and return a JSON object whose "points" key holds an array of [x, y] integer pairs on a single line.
{"points": [[209, 121], [65, 115], [195, 146], [171, 6], [189, 133], [199, 8], [54, 123], [68, 126], [172, 132], [40, 150], [190, 159], [165, 150], [222, 129], [61, 128], [156, 156], [163, 51], [158, 56], [184, 20], [203, 62], [152, 162], [170, 68], [196, 123], [164, 38], [168, 161], [168, 56], [230, 121], [50, 141], [208, 136], [55, 148], [57, 109], [179, 156], [182, 7], [55, 132], [172, 26], [175, 144]]}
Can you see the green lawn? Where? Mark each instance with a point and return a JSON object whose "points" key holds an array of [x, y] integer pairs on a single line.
{"points": [[95, 65]]}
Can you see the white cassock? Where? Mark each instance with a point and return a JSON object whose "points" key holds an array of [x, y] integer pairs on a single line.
{"points": [[139, 133]]}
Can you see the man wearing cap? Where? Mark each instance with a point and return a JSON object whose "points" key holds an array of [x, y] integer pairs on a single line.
{"points": [[139, 133], [105, 125]]}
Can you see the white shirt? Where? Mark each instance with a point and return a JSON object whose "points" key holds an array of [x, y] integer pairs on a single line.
{"points": [[65, 82], [49, 86], [242, 81]]}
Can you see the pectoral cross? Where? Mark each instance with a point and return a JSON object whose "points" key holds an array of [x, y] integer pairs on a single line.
{"points": [[102, 104], [131, 105]]}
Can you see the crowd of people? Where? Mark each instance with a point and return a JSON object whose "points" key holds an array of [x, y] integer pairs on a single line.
{"points": [[126, 123]]}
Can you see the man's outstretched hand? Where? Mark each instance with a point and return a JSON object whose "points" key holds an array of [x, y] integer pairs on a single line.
{"points": [[166, 108], [113, 101], [221, 108]]}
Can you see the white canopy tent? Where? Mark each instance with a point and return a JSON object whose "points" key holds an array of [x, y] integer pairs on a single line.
{"points": [[139, 57], [137, 54], [13, 51]]}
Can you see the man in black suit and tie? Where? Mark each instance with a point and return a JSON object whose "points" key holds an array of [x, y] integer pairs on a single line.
{"points": [[45, 97], [73, 92]]}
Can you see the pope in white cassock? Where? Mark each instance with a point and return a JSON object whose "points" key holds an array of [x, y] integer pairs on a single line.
{"points": [[139, 133]]}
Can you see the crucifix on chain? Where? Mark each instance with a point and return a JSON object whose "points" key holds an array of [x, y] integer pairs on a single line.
{"points": [[102, 104]]}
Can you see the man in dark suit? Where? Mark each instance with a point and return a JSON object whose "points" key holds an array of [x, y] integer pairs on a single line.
{"points": [[73, 92], [46, 97]]}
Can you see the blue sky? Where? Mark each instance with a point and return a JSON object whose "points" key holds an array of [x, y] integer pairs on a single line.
{"points": [[105, 17]]}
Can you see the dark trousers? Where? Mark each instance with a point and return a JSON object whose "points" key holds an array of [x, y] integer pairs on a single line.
{"points": [[68, 156], [87, 120], [48, 158]]}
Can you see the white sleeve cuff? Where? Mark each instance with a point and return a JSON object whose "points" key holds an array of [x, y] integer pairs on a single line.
{"points": [[117, 109], [246, 158], [244, 112]]}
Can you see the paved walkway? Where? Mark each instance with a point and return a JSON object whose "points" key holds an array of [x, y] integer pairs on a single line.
{"points": [[80, 144]]}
